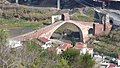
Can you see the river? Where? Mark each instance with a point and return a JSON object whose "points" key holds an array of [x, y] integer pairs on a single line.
{"points": [[19, 31]]}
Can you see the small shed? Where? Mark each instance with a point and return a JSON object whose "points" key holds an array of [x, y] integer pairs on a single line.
{"points": [[45, 43]]}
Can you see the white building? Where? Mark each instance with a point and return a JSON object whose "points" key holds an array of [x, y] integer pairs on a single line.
{"points": [[45, 43], [14, 43], [56, 18], [83, 48], [118, 60]]}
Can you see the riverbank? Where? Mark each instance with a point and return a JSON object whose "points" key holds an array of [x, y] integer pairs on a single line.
{"points": [[18, 23], [12, 16]]}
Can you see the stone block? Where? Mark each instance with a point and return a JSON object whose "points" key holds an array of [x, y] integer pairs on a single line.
{"points": [[98, 28], [107, 27], [65, 16]]}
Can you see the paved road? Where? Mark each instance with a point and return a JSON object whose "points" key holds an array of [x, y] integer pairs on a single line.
{"points": [[115, 15]]}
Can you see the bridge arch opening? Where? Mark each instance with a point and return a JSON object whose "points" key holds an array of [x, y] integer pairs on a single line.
{"points": [[63, 17], [111, 22], [68, 32]]}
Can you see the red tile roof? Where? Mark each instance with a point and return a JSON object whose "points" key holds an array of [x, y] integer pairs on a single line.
{"points": [[62, 47], [50, 49], [65, 46], [43, 39], [80, 45]]}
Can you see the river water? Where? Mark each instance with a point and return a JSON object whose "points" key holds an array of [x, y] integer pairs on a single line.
{"points": [[19, 31]]}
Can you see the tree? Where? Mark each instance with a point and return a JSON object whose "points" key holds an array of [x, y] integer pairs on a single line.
{"points": [[73, 40], [70, 55], [3, 37], [29, 54], [5, 57], [86, 61], [63, 63]]}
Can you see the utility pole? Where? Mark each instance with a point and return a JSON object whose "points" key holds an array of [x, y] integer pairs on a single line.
{"points": [[58, 4], [29, 2], [103, 5], [16, 1]]}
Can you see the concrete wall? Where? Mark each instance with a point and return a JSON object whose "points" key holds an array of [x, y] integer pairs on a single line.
{"points": [[56, 18]]}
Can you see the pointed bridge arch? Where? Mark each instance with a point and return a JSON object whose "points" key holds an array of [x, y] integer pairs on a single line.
{"points": [[47, 31], [82, 26]]}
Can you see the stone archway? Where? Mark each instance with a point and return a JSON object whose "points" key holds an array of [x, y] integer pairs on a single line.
{"points": [[82, 27], [74, 29], [49, 30]]}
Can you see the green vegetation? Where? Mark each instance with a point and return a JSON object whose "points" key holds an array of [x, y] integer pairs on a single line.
{"points": [[62, 64], [108, 44], [26, 13], [3, 37], [70, 55], [76, 60], [13, 23], [86, 61], [73, 40], [13, 16], [31, 55], [69, 29], [87, 15]]}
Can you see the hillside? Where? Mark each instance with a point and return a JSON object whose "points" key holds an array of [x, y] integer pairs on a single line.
{"points": [[107, 44], [48, 3]]}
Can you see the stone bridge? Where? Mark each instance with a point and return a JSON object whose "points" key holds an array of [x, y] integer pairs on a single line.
{"points": [[47, 31]]}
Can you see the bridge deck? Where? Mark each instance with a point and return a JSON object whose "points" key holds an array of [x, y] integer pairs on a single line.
{"points": [[37, 33]]}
